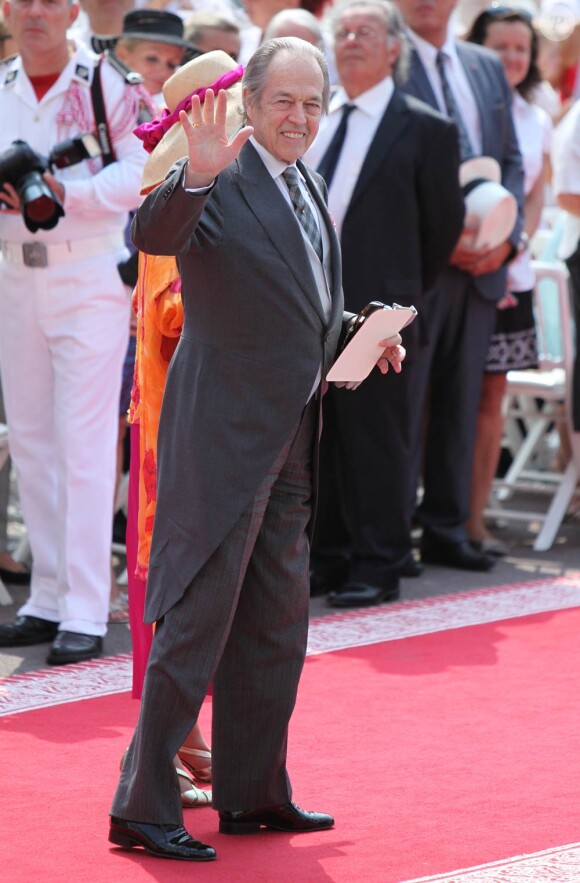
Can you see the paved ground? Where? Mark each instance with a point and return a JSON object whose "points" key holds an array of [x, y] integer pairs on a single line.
{"points": [[522, 564]]}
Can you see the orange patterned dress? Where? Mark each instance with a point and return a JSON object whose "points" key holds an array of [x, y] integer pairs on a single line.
{"points": [[159, 310]]}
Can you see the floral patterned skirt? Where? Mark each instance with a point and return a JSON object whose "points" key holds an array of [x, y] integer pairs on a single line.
{"points": [[513, 344]]}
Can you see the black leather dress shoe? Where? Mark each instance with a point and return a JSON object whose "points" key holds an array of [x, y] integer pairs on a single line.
{"points": [[27, 630], [287, 817], [15, 577], [74, 647], [460, 555], [362, 595], [411, 567], [318, 584], [164, 841], [327, 576]]}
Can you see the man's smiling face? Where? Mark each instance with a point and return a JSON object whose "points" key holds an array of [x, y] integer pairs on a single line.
{"points": [[287, 115]]}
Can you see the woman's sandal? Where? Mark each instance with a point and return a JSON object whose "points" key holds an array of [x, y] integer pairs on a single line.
{"points": [[119, 609], [201, 772], [190, 794]]}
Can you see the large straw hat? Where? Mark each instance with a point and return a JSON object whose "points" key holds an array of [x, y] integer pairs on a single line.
{"points": [[488, 204], [197, 74]]}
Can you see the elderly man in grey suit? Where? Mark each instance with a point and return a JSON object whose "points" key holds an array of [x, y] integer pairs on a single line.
{"points": [[228, 578], [468, 84]]}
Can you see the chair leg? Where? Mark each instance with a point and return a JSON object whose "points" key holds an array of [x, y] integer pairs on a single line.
{"points": [[526, 450], [5, 596], [557, 510]]}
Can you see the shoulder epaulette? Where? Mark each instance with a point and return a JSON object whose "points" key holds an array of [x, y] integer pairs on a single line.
{"points": [[131, 77], [7, 73]]}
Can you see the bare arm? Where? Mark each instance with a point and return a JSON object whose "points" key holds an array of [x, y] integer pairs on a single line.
{"points": [[570, 202], [535, 200]]}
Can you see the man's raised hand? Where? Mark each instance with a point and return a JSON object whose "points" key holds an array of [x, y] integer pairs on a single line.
{"points": [[209, 148]]}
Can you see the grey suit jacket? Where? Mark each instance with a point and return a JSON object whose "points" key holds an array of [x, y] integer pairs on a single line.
{"points": [[486, 77], [254, 337]]}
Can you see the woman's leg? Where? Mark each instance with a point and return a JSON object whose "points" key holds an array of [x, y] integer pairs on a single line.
{"points": [[487, 451]]}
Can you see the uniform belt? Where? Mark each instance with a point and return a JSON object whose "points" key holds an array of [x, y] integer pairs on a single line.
{"points": [[44, 254]]}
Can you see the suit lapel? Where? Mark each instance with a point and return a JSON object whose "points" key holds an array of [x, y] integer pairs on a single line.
{"points": [[420, 86], [418, 81], [390, 128], [476, 78], [268, 205]]}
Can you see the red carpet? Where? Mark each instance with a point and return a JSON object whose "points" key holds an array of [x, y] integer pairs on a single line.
{"points": [[435, 752]]}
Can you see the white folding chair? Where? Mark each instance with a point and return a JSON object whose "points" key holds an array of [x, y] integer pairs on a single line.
{"points": [[537, 409]]}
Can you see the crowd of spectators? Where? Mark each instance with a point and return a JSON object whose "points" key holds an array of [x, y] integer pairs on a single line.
{"points": [[121, 31]]}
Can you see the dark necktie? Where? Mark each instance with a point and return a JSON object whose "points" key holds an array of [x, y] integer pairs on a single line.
{"points": [[465, 148], [303, 211], [328, 163]]}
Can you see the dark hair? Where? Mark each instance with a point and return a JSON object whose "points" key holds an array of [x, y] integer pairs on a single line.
{"points": [[478, 34]]}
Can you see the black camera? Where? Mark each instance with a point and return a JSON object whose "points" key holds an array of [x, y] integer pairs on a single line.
{"points": [[23, 168]]}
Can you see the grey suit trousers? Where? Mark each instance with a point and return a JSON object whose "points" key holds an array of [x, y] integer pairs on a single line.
{"points": [[449, 373], [243, 623]]}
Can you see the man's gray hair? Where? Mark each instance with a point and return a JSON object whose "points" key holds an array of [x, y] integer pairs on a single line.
{"points": [[196, 25], [395, 25], [254, 80], [300, 17]]}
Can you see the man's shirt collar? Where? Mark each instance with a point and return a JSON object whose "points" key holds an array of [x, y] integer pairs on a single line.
{"points": [[428, 53], [372, 102], [274, 166]]}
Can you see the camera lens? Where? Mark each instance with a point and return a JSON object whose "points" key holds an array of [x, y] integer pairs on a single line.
{"points": [[40, 206]]}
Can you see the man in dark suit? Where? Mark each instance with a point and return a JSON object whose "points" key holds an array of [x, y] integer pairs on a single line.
{"points": [[466, 82], [228, 576], [395, 198]]}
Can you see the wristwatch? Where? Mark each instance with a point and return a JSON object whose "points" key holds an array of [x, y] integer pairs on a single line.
{"points": [[524, 242]]}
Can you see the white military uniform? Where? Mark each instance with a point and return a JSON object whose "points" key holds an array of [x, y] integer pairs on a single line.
{"points": [[63, 336]]}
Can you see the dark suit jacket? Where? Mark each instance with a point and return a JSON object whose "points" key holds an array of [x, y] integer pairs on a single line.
{"points": [[486, 77], [401, 225], [406, 211], [254, 337]]}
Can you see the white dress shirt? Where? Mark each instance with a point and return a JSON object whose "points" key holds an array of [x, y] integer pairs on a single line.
{"points": [[458, 83], [566, 173], [363, 123], [534, 133], [320, 270]]}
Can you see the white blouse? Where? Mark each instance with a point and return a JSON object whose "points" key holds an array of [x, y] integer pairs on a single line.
{"points": [[534, 132]]}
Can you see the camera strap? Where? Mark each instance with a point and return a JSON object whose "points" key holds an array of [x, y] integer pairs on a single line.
{"points": [[103, 133]]}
